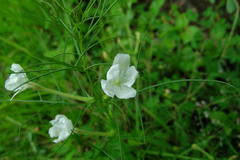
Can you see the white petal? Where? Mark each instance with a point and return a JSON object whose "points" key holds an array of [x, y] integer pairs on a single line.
{"points": [[123, 60], [130, 76], [16, 80], [10, 83], [52, 132], [57, 140], [16, 68], [113, 72], [105, 87], [62, 136], [69, 125], [58, 119], [125, 92], [62, 128]]}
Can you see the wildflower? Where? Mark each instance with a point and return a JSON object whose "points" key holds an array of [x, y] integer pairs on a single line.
{"points": [[62, 128], [16, 80], [120, 78]]}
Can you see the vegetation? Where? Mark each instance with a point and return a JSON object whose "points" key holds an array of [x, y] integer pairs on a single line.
{"points": [[187, 56]]}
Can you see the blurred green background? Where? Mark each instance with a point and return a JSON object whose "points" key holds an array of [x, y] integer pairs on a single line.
{"points": [[167, 40]]}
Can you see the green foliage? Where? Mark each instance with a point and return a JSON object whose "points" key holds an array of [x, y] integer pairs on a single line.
{"points": [[212, 1], [230, 6], [69, 46]]}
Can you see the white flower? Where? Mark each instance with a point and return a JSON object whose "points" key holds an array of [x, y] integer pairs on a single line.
{"points": [[16, 79], [62, 128], [120, 78]]}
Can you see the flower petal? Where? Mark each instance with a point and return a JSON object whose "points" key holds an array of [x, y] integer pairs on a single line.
{"points": [[130, 76], [61, 136], [52, 132], [10, 83], [57, 140], [16, 68], [113, 72], [58, 119], [123, 60], [125, 92], [106, 87], [62, 128], [14, 82]]}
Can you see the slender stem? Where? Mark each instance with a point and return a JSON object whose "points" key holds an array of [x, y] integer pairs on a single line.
{"points": [[187, 80], [232, 30], [93, 133], [76, 97], [196, 147], [179, 156]]}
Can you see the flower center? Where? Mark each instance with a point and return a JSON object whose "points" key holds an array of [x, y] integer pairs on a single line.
{"points": [[117, 82]]}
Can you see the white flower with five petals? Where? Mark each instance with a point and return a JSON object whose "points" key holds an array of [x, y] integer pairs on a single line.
{"points": [[16, 82], [62, 128], [120, 78]]}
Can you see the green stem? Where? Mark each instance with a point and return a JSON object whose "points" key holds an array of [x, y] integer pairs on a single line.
{"points": [[79, 98], [187, 80], [93, 133], [179, 156], [197, 148], [232, 30]]}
